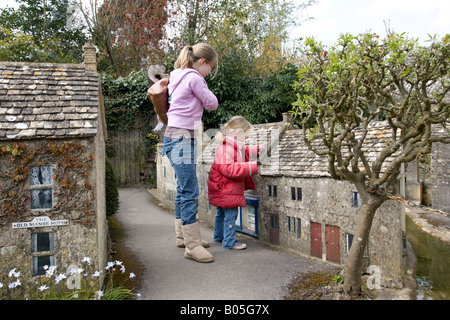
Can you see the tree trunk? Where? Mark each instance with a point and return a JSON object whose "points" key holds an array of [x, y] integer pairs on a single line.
{"points": [[371, 203]]}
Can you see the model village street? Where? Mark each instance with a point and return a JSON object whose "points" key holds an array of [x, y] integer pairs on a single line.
{"points": [[259, 272]]}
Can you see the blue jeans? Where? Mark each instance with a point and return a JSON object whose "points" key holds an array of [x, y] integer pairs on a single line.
{"points": [[182, 155], [225, 227]]}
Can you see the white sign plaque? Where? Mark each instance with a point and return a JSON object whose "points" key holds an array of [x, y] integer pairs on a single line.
{"points": [[40, 222]]}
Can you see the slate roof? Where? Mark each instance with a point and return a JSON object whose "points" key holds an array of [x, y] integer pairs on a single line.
{"points": [[42, 100], [291, 156]]}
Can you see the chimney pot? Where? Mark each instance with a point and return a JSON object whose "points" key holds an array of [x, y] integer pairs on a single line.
{"points": [[90, 57]]}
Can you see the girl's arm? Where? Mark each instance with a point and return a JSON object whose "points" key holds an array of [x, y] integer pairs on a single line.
{"points": [[252, 152], [202, 92], [239, 171]]}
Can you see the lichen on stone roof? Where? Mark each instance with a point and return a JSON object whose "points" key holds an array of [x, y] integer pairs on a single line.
{"points": [[42, 100], [290, 156]]}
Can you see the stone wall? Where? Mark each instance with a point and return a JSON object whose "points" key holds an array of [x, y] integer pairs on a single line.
{"points": [[325, 201], [440, 169], [74, 181]]}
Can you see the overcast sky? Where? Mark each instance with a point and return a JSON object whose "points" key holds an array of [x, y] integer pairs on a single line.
{"points": [[415, 17], [333, 17]]}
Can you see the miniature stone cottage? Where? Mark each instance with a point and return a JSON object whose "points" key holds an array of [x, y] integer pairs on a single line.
{"points": [[52, 168], [297, 205]]}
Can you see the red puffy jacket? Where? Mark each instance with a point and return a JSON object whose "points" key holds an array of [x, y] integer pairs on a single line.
{"points": [[231, 174]]}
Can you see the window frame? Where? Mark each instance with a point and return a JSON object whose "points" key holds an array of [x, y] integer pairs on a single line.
{"points": [[41, 187], [37, 254], [355, 200], [348, 241], [296, 194]]}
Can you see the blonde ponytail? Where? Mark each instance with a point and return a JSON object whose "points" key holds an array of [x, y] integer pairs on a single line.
{"points": [[191, 54]]}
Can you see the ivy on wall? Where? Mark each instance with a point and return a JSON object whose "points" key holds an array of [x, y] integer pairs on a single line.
{"points": [[72, 190], [125, 99]]}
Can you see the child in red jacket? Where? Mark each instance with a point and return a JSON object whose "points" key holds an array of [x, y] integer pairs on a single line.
{"points": [[231, 174]]}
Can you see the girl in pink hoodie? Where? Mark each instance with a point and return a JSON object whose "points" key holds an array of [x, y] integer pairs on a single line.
{"points": [[188, 95]]}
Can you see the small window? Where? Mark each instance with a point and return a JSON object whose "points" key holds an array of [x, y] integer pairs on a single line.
{"points": [[299, 194], [349, 239], [291, 224], [355, 200], [296, 194], [275, 194], [41, 188], [42, 247], [274, 222], [269, 190], [299, 228]]}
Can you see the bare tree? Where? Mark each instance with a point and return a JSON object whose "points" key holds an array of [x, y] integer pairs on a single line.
{"points": [[127, 32], [360, 81]]}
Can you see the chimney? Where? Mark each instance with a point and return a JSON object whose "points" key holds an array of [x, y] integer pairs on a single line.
{"points": [[287, 118], [90, 57]]}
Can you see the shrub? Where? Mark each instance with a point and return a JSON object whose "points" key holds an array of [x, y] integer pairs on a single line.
{"points": [[112, 191]]}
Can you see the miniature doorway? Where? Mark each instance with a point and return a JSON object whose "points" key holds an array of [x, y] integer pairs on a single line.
{"points": [[274, 229], [332, 243], [316, 240]]}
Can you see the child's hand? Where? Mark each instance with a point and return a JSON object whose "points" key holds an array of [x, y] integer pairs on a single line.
{"points": [[261, 149]]}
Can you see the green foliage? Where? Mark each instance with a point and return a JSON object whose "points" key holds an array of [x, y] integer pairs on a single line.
{"points": [[41, 31], [19, 47], [125, 98], [258, 100], [112, 191], [365, 77]]}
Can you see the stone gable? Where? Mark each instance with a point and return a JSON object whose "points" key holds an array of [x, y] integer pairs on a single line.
{"points": [[43, 100]]}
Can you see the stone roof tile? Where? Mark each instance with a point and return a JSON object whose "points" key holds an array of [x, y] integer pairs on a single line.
{"points": [[290, 155], [39, 100]]}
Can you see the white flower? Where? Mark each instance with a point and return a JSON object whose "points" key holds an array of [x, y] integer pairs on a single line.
{"points": [[132, 275], [99, 294], [75, 295], [87, 259], [110, 265], [138, 295], [122, 268], [1, 285], [96, 274], [79, 270], [14, 284], [59, 277], [42, 288], [50, 271], [118, 263], [14, 273]]}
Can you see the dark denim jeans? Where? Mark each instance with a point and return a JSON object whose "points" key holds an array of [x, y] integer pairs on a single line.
{"points": [[182, 155], [225, 227]]}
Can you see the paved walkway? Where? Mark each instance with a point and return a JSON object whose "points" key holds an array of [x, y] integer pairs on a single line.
{"points": [[256, 273]]}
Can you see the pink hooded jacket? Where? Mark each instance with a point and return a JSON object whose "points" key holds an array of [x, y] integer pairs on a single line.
{"points": [[231, 174], [188, 95]]}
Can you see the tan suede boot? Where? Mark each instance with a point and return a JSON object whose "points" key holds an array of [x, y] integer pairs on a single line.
{"points": [[194, 249], [179, 236]]}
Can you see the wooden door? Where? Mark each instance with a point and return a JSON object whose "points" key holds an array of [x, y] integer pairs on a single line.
{"points": [[316, 240], [274, 229], [332, 244]]}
